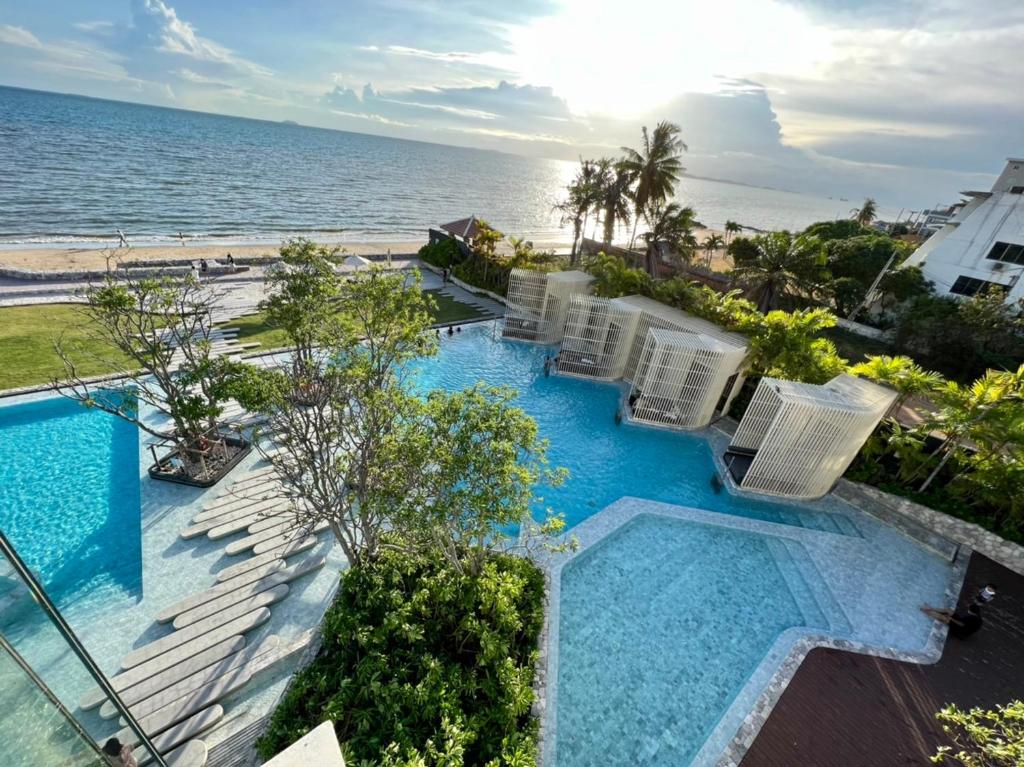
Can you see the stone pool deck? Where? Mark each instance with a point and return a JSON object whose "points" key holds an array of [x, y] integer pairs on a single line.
{"points": [[843, 709]]}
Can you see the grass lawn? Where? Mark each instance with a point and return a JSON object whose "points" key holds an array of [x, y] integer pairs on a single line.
{"points": [[253, 327], [27, 335]]}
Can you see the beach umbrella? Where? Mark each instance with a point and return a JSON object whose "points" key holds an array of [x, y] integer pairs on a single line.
{"points": [[357, 262]]}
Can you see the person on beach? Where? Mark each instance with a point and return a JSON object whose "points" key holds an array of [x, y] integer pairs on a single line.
{"points": [[231, 262], [962, 623], [182, 238], [203, 266], [122, 241], [119, 754]]}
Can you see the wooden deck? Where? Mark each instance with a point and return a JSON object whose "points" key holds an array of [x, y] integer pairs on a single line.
{"points": [[847, 710]]}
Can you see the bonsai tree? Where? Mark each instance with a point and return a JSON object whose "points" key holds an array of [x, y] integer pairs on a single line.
{"points": [[163, 327]]}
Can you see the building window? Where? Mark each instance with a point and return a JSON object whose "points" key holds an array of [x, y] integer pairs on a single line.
{"points": [[969, 286], [1007, 252], [1017, 190]]}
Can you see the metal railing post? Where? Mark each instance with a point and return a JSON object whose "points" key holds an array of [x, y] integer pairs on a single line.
{"points": [[55, 616]]}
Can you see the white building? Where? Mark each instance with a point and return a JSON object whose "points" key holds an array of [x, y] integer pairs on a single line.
{"points": [[983, 244]]}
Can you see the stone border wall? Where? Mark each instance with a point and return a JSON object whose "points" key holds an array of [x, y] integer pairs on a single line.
{"points": [[1006, 553]]}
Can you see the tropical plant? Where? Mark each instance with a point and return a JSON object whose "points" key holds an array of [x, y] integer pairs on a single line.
{"points": [[613, 277], [421, 664], [654, 168], [781, 263], [983, 738], [839, 229], [901, 374], [164, 327], [788, 345], [584, 194], [671, 229], [710, 245], [867, 212]]}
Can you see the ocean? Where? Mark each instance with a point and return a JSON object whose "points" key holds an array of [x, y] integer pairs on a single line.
{"points": [[73, 170]]}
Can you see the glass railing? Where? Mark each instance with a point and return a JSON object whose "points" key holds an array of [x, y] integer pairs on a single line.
{"points": [[44, 673]]}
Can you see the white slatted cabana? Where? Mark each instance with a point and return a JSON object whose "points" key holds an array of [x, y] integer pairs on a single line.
{"points": [[597, 339], [683, 368], [797, 439], [682, 377], [537, 303]]}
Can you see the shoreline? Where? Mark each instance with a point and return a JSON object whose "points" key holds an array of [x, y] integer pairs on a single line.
{"points": [[78, 256]]}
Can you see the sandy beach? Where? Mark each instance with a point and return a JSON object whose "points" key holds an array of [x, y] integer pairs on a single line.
{"points": [[75, 258]]}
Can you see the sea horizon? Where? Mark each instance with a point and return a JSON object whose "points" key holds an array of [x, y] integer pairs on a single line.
{"points": [[80, 168]]}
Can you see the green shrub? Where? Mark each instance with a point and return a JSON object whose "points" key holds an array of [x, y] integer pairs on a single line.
{"points": [[442, 254], [424, 665]]}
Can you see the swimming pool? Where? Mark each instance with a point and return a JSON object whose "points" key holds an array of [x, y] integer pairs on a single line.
{"points": [[661, 624], [606, 461], [70, 501]]}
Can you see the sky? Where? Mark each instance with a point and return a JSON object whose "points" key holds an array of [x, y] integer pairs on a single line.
{"points": [[909, 101]]}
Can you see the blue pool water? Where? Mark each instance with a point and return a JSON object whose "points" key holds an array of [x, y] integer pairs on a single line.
{"points": [[605, 461], [70, 500], [661, 625]]}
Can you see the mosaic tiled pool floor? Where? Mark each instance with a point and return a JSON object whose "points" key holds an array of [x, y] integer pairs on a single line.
{"points": [[669, 623]]}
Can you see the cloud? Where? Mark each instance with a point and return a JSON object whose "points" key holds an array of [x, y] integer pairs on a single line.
{"points": [[156, 25], [18, 36]]}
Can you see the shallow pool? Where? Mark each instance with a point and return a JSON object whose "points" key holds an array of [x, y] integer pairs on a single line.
{"points": [[605, 461], [661, 625]]}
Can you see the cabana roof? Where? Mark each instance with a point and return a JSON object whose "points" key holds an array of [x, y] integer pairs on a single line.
{"points": [[844, 392], [464, 228], [680, 318]]}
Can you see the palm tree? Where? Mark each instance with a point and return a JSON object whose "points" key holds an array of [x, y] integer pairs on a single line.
{"points": [[731, 228], [867, 212], [781, 261], [582, 197], [711, 244], [902, 374], [616, 198], [670, 226], [654, 168]]}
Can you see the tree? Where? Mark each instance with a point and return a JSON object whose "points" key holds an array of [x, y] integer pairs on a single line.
{"points": [[731, 228], [840, 229], [901, 374], [671, 227], [342, 455], [781, 262], [983, 738], [481, 460], [867, 212], [712, 244], [995, 325], [164, 327], [303, 301], [654, 168], [901, 285], [613, 277]]}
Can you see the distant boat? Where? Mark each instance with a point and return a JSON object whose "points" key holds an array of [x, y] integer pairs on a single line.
{"points": [[288, 122]]}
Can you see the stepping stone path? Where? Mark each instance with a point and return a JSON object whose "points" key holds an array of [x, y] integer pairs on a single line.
{"points": [[174, 685]]}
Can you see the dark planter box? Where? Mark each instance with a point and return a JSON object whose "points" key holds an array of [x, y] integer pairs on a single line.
{"points": [[244, 447]]}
